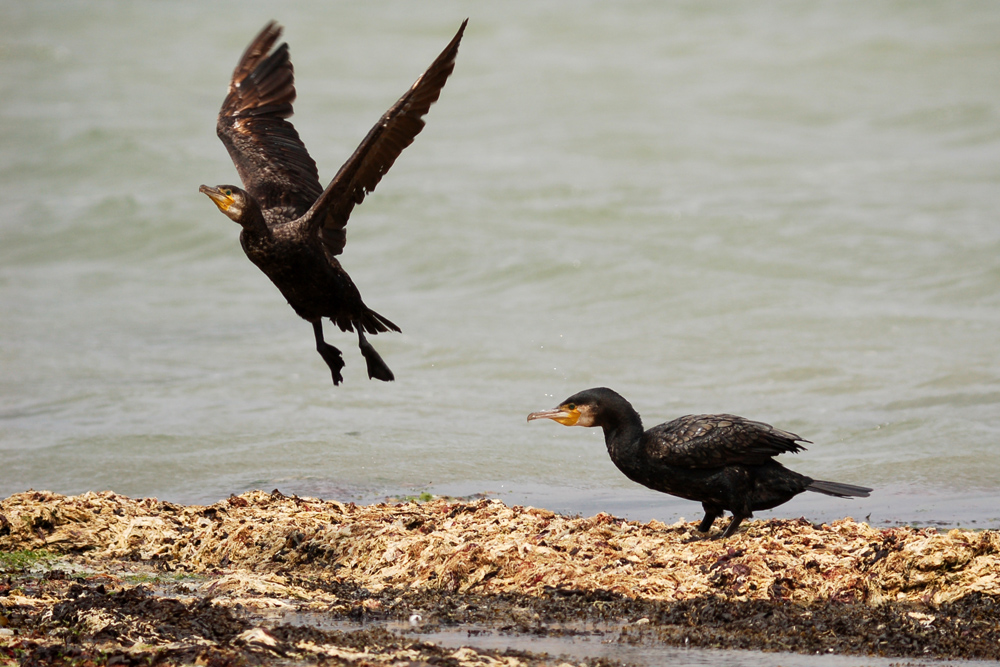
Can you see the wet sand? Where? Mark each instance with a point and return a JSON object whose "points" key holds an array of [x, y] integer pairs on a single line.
{"points": [[262, 578]]}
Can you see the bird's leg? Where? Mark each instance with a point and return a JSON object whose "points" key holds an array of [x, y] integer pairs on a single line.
{"points": [[376, 367], [733, 525], [331, 355], [711, 514]]}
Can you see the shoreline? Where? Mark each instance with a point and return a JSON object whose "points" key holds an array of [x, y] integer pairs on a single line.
{"points": [[254, 559], [894, 505]]}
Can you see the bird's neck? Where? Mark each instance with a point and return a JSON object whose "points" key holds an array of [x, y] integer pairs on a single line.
{"points": [[256, 238], [623, 435], [253, 221]]}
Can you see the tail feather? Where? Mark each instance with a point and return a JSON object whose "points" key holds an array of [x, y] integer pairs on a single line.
{"points": [[374, 323], [838, 489], [369, 322]]}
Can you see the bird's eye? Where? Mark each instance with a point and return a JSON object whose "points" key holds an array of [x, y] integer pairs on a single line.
{"points": [[571, 406], [227, 192]]}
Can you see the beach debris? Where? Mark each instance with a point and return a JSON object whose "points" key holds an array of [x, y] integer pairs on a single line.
{"points": [[486, 546], [246, 562]]}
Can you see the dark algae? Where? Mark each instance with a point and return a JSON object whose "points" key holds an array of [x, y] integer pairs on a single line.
{"points": [[95, 626], [132, 625]]}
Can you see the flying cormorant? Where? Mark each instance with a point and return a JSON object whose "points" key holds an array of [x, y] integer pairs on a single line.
{"points": [[723, 461], [293, 229]]}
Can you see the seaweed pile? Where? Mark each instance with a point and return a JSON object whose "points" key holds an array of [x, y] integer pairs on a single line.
{"points": [[778, 585]]}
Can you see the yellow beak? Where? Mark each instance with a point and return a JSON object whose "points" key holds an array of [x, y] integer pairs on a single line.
{"points": [[561, 415], [216, 195]]}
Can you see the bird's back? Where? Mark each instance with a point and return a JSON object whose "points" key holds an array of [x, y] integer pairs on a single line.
{"points": [[714, 441]]}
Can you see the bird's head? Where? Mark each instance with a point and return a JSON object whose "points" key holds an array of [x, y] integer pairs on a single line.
{"points": [[230, 199], [583, 409]]}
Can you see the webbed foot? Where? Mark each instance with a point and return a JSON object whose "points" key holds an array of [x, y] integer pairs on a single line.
{"points": [[331, 355], [334, 359], [377, 368]]}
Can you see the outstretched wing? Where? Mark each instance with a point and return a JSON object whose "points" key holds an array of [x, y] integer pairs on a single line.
{"points": [[711, 441], [394, 131], [269, 156]]}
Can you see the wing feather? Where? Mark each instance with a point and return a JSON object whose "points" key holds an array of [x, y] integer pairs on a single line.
{"points": [[394, 131], [272, 161], [711, 441]]}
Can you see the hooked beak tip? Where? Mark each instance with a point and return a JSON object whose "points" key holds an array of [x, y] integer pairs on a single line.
{"points": [[545, 414]]}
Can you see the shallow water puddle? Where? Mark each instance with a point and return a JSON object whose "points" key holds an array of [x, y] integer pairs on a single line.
{"points": [[591, 640], [596, 646]]}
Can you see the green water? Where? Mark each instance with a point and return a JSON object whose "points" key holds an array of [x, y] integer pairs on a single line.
{"points": [[787, 211]]}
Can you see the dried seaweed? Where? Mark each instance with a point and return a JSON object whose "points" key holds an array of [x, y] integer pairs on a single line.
{"points": [[778, 585], [485, 546]]}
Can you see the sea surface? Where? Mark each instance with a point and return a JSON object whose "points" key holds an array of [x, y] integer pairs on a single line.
{"points": [[784, 210]]}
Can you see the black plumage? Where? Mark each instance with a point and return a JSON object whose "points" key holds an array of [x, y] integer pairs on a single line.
{"points": [[293, 229], [723, 461]]}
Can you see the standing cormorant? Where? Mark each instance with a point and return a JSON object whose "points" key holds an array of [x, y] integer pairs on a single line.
{"points": [[293, 229], [723, 461]]}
